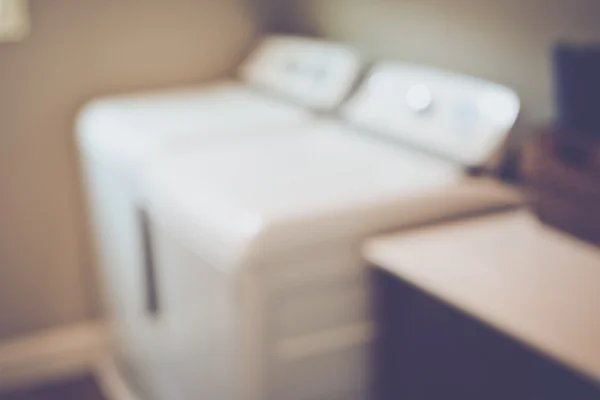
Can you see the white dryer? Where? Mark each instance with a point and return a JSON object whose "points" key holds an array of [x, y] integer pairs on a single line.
{"points": [[286, 82], [258, 279]]}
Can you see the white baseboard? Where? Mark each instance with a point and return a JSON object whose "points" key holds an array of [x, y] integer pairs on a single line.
{"points": [[52, 355], [111, 382]]}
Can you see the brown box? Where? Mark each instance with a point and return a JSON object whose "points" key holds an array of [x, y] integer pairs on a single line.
{"points": [[562, 173]]}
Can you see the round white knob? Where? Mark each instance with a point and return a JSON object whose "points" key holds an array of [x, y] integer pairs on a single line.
{"points": [[419, 98]]}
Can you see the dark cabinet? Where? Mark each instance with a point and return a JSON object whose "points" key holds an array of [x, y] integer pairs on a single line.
{"points": [[427, 350]]}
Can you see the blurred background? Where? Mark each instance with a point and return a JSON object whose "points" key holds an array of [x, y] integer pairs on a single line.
{"points": [[81, 49]]}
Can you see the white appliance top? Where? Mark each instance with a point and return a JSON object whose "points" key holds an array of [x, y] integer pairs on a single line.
{"points": [[453, 116], [322, 169], [511, 271], [127, 128], [284, 191], [314, 73]]}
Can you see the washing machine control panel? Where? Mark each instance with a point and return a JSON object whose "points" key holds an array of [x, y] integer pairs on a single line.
{"points": [[315, 73], [459, 117]]}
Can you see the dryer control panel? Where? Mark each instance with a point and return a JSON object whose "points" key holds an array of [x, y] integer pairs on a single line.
{"points": [[315, 73], [456, 116]]}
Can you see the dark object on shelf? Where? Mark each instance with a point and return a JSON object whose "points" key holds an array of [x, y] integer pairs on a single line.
{"points": [[577, 75], [562, 173], [427, 350]]}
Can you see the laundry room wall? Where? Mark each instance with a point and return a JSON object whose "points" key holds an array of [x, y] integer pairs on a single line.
{"points": [[77, 50], [507, 41]]}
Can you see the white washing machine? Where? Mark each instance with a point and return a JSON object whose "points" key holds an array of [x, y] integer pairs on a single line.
{"points": [[286, 82], [257, 273]]}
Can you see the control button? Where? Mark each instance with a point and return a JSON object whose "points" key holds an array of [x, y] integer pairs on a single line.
{"points": [[320, 74], [467, 113], [419, 98], [292, 67], [467, 117]]}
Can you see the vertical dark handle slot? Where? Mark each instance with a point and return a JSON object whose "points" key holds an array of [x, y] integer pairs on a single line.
{"points": [[150, 283]]}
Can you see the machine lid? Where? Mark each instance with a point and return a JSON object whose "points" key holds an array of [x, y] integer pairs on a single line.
{"points": [[457, 117], [329, 169], [125, 129], [315, 73]]}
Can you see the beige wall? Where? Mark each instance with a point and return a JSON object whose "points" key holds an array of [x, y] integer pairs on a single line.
{"points": [[80, 49], [504, 40]]}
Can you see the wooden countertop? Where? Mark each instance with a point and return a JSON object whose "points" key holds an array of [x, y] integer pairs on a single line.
{"points": [[530, 281]]}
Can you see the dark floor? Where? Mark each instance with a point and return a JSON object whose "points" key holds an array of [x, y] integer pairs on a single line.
{"points": [[84, 388]]}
